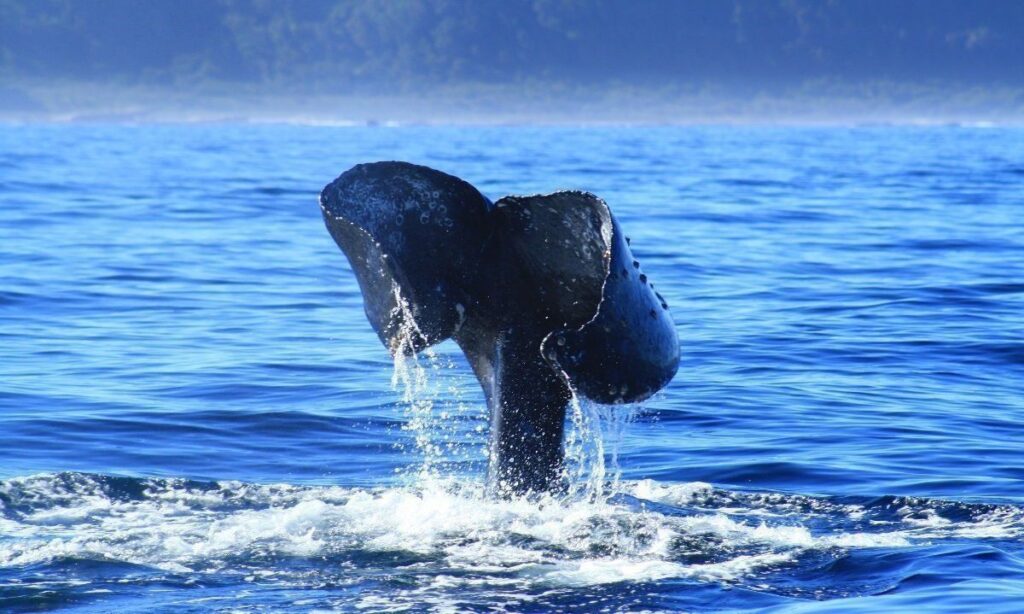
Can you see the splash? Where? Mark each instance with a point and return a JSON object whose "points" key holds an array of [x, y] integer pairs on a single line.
{"points": [[437, 412], [195, 531], [445, 433], [592, 445]]}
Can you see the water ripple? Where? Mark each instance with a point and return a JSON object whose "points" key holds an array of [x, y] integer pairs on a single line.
{"points": [[197, 416]]}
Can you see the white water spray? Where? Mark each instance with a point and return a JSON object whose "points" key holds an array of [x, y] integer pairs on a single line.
{"points": [[434, 405], [437, 412]]}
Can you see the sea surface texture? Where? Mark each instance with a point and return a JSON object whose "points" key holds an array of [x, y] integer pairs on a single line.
{"points": [[197, 417]]}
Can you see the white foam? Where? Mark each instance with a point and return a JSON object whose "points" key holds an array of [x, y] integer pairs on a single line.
{"points": [[674, 494], [608, 571], [181, 528]]}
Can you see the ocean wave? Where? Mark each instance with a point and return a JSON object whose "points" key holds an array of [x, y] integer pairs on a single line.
{"points": [[643, 531]]}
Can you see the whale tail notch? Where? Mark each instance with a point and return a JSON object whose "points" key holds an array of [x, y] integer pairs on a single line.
{"points": [[542, 293]]}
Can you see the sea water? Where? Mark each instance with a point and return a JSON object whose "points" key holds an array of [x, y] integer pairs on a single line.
{"points": [[196, 416]]}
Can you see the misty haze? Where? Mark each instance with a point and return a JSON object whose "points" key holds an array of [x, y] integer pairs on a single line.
{"points": [[497, 61]]}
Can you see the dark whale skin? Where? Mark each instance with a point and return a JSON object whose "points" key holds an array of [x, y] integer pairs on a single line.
{"points": [[541, 293]]}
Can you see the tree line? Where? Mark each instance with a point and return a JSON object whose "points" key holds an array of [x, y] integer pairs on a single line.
{"points": [[353, 45]]}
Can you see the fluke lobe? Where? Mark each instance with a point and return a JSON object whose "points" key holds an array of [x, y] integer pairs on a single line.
{"points": [[541, 293]]}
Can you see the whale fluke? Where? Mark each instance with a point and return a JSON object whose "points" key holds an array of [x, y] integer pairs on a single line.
{"points": [[541, 293]]}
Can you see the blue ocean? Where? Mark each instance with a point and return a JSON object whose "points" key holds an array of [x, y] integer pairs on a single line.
{"points": [[197, 417]]}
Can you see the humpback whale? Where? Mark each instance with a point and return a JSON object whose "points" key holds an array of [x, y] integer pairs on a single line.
{"points": [[541, 293]]}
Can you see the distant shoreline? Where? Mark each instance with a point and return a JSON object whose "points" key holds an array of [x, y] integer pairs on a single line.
{"points": [[818, 103]]}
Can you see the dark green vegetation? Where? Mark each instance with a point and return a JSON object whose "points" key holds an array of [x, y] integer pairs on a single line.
{"points": [[896, 50]]}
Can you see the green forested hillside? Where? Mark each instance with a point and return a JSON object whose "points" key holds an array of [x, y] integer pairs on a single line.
{"points": [[346, 42], [402, 46]]}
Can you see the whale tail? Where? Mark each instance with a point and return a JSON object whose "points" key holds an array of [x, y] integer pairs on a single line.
{"points": [[541, 293]]}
